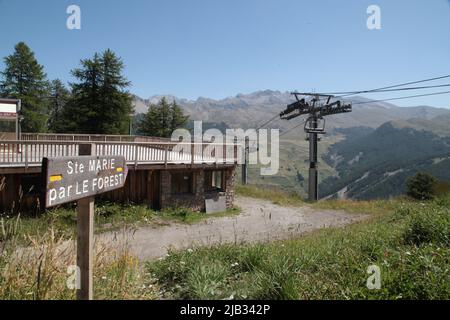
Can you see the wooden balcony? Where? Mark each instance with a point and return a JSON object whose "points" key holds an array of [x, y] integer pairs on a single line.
{"points": [[140, 152]]}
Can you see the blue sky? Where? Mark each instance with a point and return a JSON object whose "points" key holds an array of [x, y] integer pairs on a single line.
{"points": [[219, 48]]}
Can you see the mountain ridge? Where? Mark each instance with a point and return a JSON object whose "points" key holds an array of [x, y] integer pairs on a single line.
{"points": [[374, 130], [252, 109]]}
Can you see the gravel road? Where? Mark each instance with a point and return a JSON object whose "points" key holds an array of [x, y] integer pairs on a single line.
{"points": [[259, 221]]}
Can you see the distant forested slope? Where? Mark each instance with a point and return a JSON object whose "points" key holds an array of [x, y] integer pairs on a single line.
{"points": [[376, 165]]}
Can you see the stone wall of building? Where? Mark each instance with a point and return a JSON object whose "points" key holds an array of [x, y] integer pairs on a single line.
{"points": [[230, 183], [136, 190], [195, 201]]}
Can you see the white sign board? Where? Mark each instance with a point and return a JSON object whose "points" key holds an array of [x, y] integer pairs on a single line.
{"points": [[8, 110]]}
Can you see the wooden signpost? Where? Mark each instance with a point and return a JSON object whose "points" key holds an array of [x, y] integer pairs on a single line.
{"points": [[80, 179]]}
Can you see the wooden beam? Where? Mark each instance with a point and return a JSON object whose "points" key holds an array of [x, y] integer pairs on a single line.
{"points": [[85, 237], [85, 247], [13, 170]]}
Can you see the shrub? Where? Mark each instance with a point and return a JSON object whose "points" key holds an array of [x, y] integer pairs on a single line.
{"points": [[417, 273], [430, 225], [206, 280], [422, 186], [276, 279]]}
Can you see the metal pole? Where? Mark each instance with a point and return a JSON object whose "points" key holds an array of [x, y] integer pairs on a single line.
{"points": [[313, 188], [245, 164], [301, 107]]}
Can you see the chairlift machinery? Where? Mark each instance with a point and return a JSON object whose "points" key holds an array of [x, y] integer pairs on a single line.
{"points": [[314, 126]]}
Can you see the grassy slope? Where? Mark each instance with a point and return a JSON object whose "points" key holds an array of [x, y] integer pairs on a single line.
{"points": [[273, 194], [408, 241]]}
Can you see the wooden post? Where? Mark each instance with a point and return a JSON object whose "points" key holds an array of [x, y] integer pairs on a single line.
{"points": [[85, 247], [224, 153], [85, 237], [166, 151], [136, 154], [54, 174]]}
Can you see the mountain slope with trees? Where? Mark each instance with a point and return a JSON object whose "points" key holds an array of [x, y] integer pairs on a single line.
{"points": [[375, 129], [378, 164]]}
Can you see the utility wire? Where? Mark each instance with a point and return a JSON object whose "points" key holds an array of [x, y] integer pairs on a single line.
{"points": [[405, 97], [381, 89], [268, 121], [399, 85], [292, 128], [390, 90], [372, 101]]}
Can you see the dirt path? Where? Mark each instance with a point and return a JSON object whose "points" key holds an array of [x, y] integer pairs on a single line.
{"points": [[260, 220]]}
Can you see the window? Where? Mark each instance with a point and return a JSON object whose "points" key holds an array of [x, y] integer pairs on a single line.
{"points": [[181, 182], [213, 180]]}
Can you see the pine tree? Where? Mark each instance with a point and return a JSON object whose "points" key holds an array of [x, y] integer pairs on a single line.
{"points": [[24, 78], [99, 102], [117, 102], [165, 118], [162, 119], [179, 120], [59, 95], [150, 123], [80, 112]]}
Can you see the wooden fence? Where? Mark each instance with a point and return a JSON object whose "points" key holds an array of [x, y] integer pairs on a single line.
{"points": [[24, 153], [88, 137]]}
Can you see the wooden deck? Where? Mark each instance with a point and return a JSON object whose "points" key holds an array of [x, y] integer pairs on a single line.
{"points": [[140, 152]]}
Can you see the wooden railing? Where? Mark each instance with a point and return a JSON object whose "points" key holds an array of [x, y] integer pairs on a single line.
{"points": [[88, 137], [20, 153]]}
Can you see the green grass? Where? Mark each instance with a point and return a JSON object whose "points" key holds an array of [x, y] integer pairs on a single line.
{"points": [[108, 217], [361, 206], [40, 271], [275, 195], [188, 216], [407, 240]]}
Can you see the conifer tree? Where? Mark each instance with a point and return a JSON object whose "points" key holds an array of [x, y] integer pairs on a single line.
{"points": [[24, 78], [179, 120], [59, 95], [100, 103], [162, 119]]}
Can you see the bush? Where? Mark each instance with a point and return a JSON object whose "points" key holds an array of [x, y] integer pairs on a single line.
{"points": [[206, 280], [430, 225], [422, 186], [276, 279]]}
